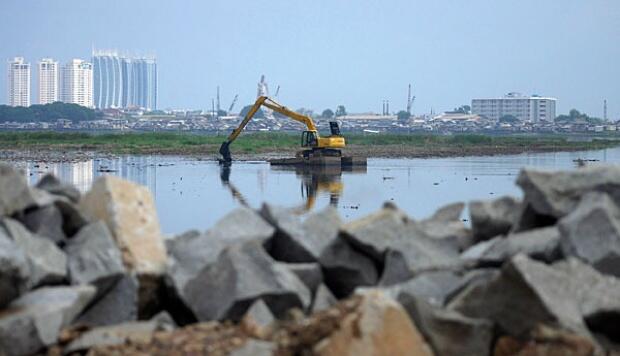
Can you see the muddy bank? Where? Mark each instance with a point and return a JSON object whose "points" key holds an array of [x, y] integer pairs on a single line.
{"points": [[53, 154]]}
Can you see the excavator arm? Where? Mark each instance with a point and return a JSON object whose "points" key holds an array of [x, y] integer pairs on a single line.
{"points": [[271, 104]]}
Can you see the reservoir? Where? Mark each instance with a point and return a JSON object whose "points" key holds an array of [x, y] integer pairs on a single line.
{"points": [[193, 194]]}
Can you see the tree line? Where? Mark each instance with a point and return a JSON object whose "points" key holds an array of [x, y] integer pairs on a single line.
{"points": [[46, 113]]}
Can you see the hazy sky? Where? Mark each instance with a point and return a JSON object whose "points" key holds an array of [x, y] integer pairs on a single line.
{"points": [[328, 52]]}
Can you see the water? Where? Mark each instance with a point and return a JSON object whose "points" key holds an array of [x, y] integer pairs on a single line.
{"points": [[194, 194]]}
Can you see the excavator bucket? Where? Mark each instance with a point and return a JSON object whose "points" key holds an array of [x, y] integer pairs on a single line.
{"points": [[225, 152]]}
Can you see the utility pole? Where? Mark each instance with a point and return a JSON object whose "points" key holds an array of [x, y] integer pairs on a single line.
{"points": [[605, 109], [213, 108], [218, 99], [409, 100]]}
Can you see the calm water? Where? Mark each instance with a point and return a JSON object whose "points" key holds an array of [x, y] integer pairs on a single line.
{"points": [[193, 194]]}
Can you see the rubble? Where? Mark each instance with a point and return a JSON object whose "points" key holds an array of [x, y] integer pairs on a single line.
{"points": [[243, 273], [379, 326], [35, 320], [129, 211], [449, 332], [541, 244], [296, 241], [82, 274], [592, 232], [48, 263], [493, 218], [93, 258]]}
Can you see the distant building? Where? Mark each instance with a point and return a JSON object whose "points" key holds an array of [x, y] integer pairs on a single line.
{"points": [[108, 80], [122, 82], [143, 83], [76, 82], [525, 108], [48, 81], [18, 84]]}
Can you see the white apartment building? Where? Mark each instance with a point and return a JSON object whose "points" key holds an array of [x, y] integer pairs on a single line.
{"points": [[76, 83], [18, 83], [48, 81], [525, 108]]}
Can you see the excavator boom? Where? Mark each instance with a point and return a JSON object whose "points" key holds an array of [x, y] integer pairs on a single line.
{"points": [[334, 141]]}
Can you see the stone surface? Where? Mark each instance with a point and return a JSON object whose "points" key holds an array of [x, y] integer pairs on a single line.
{"points": [[395, 269], [493, 217], [117, 305], [591, 232], [16, 194], [309, 273], [541, 244], [433, 287], [53, 185], [323, 299], [46, 222], [390, 229], [594, 293], [449, 332], [445, 225], [93, 257], [47, 263], [34, 320], [379, 326], [528, 293], [242, 274], [114, 335], [301, 241], [72, 218], [556, 193], [254, 347], [345, 269], [14, 270], [129, 211], [192, 251]]}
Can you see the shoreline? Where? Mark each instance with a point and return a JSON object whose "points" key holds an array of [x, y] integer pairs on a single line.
{"points": [[52, 154]]}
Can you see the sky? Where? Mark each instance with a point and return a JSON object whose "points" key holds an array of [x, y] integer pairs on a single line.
{"points": [[324, 53]]}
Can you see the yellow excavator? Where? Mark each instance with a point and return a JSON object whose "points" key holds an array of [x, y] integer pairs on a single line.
{"points": [[314, 144]]}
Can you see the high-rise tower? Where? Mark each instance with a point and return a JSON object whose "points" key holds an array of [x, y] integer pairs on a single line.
{"points": [[77, 83], [121, 82], [48, 81], [18, 84]]}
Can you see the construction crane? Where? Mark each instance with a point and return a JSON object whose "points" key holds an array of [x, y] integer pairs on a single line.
{"points": [[314, 144], [233, 103], [277, 92]]}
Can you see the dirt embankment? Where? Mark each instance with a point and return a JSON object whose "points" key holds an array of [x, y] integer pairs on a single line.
{"points": [[207, 152]]}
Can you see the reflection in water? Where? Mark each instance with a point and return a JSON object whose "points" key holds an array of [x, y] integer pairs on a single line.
{"points": [[192, 193], [225, 178], [315, 181], [139, 169]]}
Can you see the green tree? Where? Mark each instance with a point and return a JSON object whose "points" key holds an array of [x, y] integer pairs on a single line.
{"points": [[575, 116], [47, 113], [327, 114], [341, 111], [403, 115]]}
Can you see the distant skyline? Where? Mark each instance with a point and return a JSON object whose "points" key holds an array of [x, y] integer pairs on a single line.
{"points": [[326, 53]]}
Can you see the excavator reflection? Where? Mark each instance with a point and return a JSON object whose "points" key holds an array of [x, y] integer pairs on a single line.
{"points": [[315, 181]]}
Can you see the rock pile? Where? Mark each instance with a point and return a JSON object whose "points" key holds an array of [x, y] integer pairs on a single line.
{"points": [[92, 273]]}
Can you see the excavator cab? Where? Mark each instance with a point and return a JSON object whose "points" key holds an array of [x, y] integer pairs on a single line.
{"points": [[309, 139]]}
